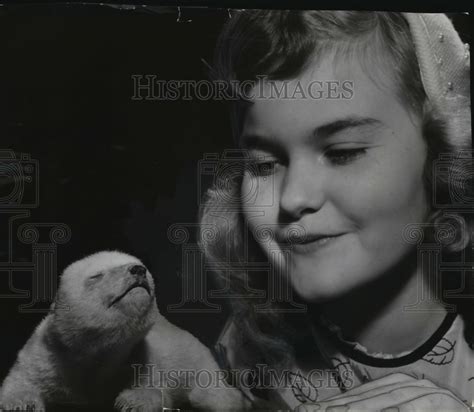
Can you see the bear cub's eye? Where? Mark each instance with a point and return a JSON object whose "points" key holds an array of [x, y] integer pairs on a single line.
{"points": [[98, 276]]}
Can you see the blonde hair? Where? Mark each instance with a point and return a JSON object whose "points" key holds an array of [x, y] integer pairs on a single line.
{"points": [[279, 44]]}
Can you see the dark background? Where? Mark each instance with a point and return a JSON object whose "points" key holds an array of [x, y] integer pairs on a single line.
{"points": [[118, 172]]}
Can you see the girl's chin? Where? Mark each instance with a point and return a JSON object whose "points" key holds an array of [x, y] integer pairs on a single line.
{"points": [[319, 292]]}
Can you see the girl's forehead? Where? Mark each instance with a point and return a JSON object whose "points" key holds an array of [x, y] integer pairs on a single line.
{"points": [[346, 65], [319, 93], [291, 120]]}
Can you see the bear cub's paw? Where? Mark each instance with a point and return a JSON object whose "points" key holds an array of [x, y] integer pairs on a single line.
{"points": [[23, 401], [139, 400]]}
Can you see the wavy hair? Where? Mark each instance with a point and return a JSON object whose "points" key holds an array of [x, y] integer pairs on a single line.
{"points": [[280, 45]]}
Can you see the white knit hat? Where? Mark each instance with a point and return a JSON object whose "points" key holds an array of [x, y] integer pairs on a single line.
{"points": [[444, 63]]}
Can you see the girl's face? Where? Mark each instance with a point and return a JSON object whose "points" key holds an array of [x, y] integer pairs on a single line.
{"points": [[345, 172]]}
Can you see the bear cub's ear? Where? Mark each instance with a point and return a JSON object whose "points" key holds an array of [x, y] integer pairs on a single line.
{"points": [[56, 304]]}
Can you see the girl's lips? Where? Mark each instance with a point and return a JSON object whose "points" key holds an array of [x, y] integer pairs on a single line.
{"points": [[318, 243]]}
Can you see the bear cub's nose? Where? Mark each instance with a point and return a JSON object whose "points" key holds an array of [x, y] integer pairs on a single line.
{"points": [[138, 270]]}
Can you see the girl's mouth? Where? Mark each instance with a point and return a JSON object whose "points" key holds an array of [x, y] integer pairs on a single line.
{"points": [[315, 243]]}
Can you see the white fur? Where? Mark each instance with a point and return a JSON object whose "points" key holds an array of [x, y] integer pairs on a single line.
{"points": [[86, 341]]}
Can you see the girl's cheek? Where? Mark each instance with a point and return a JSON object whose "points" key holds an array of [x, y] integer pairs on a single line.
{"points": [[260, 202], [382, 201], [388, 179]]}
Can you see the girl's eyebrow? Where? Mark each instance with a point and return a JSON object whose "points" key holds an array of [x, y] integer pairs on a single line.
{"points": [[326, 130], [255, 141]]}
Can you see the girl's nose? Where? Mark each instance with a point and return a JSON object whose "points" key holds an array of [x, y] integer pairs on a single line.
{"points": [[302, 190]]}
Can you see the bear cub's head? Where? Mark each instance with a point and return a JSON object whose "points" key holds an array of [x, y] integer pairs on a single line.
{"points": [[106, 299]]}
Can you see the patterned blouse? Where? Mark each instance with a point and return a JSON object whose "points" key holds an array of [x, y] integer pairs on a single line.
{"points": [[445, 358]]}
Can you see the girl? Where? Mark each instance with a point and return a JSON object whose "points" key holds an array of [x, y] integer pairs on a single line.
{"points": [[343, 117]]}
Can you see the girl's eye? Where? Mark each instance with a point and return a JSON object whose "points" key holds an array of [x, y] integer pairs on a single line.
{"points": [[344, 156], [98, 276], [262, 167], [265, 168]]}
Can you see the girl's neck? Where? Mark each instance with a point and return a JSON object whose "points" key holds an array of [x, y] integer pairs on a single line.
{"points": [[394, 314]]}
